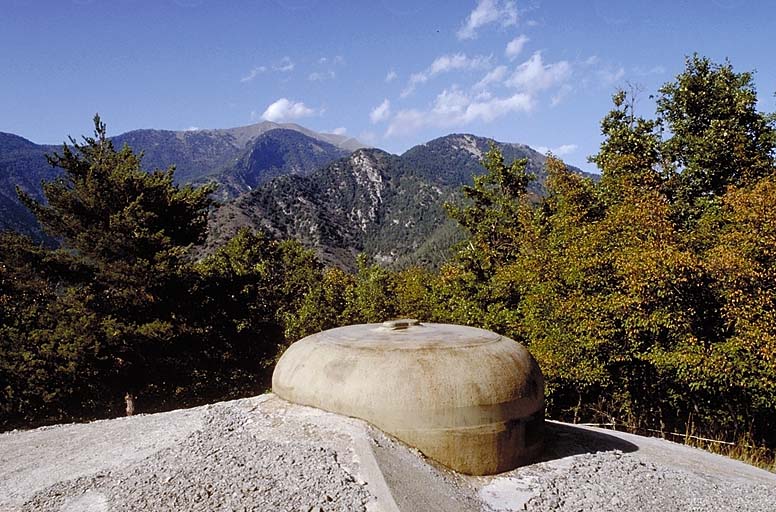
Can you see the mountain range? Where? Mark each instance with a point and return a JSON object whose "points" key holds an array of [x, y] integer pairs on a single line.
{"points": [[328, 191], [22, 164]]}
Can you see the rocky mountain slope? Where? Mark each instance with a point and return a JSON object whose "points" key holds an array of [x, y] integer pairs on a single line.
{"points": [[388, 206], [455, 159], [321, 189], [340, 210], [238, 159], [275, 153]]}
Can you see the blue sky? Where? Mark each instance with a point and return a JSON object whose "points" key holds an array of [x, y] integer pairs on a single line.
{"points": [[393, 74]]}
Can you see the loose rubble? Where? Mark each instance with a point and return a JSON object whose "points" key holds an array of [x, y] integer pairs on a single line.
{"points": [[622, 482], [223, 466], [593, 470], [265, 454]]}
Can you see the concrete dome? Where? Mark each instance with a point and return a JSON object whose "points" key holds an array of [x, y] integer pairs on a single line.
{"points": [[468, 398]]}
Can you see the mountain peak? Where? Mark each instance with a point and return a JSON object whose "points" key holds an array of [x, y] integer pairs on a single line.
{"points": [[10, 142], [274, 153], [243, 135]]}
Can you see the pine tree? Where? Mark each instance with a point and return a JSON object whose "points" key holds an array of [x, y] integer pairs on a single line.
{"points": [[116, 318]]}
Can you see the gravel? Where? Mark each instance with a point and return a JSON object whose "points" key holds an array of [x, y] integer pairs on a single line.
{"points": [[223, 466], [589, 469], [623, 482], [265, 454]]}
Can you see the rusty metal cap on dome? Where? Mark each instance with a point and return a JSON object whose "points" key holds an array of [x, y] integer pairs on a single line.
{"points": [[403, 323]]}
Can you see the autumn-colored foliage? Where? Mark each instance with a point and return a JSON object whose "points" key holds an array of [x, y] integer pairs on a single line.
{"points": [[647, 296]]}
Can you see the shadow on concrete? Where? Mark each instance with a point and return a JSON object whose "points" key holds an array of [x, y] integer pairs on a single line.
{"points": [[564, 440]]}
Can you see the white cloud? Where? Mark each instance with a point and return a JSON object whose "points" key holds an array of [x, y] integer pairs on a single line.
{"points": [[415, 79], [381, 112], [284, 65], [492, 109], [391, 76], [496, 75], [515, 46], [407, 122], [487, 12], [454, 107], [340, 131], [483, 96], [319, 76], [192, 129], [445, 64], [450, 103], [559, 96], [563, 149], [285, 109], [535, 75], [611, 75], [605, 74], [337, 60], [655, 70], [367, 137], [253, 74]]}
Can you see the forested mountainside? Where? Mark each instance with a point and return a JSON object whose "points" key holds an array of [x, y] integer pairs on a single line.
{"points": [[237, 159], [275, 153], [296, 183], [366, 202], [455, 159], [22, 164], [388, 206]]}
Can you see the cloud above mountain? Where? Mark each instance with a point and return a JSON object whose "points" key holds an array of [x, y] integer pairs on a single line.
{"points": [[495, 76], [446, 64], [535, 75], [284, 65], [455, 107], [381, 112], [488, 12], [503, 90], [285, 110], [487, 73], [562, 150]]}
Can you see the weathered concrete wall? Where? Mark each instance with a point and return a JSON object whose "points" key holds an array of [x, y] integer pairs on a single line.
{"points": [[466, 397]]}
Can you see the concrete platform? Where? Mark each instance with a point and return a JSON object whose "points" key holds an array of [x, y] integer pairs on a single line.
{"points": [[264, 453]]}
